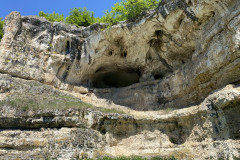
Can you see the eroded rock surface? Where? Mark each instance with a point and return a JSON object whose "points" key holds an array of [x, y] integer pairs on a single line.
{"points": [[208, 130], [174, 56], [185, 55]]}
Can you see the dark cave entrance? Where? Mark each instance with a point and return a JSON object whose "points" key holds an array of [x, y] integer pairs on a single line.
{"points": [[115, 79]]}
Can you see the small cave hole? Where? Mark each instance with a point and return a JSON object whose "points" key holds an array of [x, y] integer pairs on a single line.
{"points": [[103, 131], [115, 79], [190, 3], [158, 33], [149, 58], [213, 13], [199, 23], [124, 54], [180, 20], [158, 76], [110, 53], [68, 48]]}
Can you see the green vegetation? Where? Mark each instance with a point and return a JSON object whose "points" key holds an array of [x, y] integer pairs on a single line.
{"points": [[121, 11], [53, 17], [80, 17], [137, 158], [168, 110], [1, 28], [127, 10], [36, 102], [110, 110], [33, 95]]}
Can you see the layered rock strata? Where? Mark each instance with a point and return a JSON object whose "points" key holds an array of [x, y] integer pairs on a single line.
{"points": [[208, 130]]}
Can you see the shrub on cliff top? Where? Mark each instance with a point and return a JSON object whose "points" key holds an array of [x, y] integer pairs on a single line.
{"points": [[53, 17], [80, 17], [127, 10]]}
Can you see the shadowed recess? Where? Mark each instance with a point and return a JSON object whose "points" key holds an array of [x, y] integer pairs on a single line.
{"points": [[115, 79]]}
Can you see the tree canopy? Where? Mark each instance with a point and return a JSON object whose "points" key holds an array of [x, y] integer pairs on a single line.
{"points": [[53, 17], [127, 10], [121, 11], [81, 17], [124, 10]]}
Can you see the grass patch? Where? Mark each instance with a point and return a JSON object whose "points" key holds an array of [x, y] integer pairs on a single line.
{"points": [[137, 158], [111, 110], [168, 110], [184, 153], [37, 102]]}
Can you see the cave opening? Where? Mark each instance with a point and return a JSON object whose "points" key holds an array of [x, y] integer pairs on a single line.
{"points": [[115, 79]]}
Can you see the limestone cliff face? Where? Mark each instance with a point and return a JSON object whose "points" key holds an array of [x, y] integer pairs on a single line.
{"points": [[185, 55], [174, 56]]}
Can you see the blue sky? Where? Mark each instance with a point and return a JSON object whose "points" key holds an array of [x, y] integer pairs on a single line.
{"points": [[32, 7]]}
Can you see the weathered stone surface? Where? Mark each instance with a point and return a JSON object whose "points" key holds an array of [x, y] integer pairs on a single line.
{"points": [[185, 55], [176, 55], [208, 130]]}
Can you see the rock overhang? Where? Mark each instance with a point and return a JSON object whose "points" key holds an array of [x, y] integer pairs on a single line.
{"points": [[162, 49]]}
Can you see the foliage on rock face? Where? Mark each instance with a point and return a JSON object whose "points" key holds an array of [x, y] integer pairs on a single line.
{"points": [[80, 17], [1, 28], [53, 17]]}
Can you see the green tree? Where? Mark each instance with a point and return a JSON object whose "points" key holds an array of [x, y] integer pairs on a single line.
{"points": [[1, 28], [53, 17], [129, 9], [81, 17], [107, 18], [124, 10]]}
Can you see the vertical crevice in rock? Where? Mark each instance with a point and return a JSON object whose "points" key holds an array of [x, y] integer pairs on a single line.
{"points": [[50, 44], [66, 72], [154, 48], [162, 60], [67, 48], [79, 50]]}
